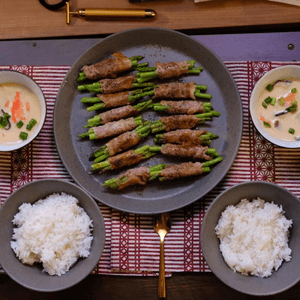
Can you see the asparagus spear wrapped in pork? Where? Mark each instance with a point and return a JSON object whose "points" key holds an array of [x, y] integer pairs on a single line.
{"points": [[142, 175], [197, 152], [124, 159], [109, 86], [112, 128], [182, 121], [185, 136], [122, 142], [182, 107], [137, 176], [109, 68], [113, 100], [118, 114], [167, 70], [178, 90]]}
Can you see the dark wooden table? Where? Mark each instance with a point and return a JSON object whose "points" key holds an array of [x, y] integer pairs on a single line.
{"points": [[276, 46], [179, 287]]}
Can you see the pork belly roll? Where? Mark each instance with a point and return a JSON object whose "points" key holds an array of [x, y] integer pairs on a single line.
{"points": [[108, 68], [171, 69], [125, 159], [135, 176], [171, 172], [175, 90], [117, 85], [181, 136], [118, 114], [112, 128], [182, 121], [163, 172], [109, 86], [115, 128], [189, 151], [187, 169], [138, 176], [176, 122], [128, 158], [122, 142], [114, 100], [183, 107]]}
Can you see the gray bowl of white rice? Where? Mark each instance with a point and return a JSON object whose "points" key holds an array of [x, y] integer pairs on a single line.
{"points": [[52, 235], [250, 238]]}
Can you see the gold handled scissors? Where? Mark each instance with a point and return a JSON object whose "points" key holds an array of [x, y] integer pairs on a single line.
{"points": [[98, 12]]}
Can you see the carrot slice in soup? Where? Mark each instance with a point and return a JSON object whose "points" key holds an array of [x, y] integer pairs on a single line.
{"points": [[17, 110], [27, 106], [290, 97]]}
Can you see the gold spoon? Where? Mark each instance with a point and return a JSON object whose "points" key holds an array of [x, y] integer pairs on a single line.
{"points": [[162, 225]]}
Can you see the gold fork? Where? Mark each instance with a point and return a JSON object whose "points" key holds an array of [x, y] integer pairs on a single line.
{"points": [[162, 225]]}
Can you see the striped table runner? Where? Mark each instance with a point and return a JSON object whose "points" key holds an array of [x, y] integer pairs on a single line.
{"points": [[132, 247]]}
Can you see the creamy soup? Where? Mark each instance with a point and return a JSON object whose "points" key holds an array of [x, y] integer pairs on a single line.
{"points": [[279, 110], [22, 105]]}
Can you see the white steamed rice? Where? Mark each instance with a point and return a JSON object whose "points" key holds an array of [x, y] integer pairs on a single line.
{"points": [[254, 237], [54, 231]]}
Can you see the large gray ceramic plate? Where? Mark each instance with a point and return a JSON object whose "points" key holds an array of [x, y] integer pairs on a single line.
{"points": [[32, 277], [70, 116], [288, 274]]}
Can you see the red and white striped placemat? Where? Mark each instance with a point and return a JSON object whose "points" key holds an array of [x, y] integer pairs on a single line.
{"points": [[132, 247]]}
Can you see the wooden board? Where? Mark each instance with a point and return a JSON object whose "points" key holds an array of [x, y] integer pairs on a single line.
{"points": [[29, 19]]}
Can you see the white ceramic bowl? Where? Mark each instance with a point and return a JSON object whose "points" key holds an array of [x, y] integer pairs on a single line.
{"points": [[281, 73], [8, 76]]}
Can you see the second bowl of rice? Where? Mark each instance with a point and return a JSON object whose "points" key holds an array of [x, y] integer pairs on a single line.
{"points": [[250, 238]]}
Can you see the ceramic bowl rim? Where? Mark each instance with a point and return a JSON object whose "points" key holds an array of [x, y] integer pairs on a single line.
{"points": [[43, 103], [262, 83]]}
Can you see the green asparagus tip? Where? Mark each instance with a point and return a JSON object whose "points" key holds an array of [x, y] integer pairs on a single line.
{"points": [[142, 149], [81, 77], [136, 57], [212, 161], [155, 149], [205, 169], [101, 157], [202, 95], [83, 135], [112, 183], [90, 100], [94, 87], [95, 107]]}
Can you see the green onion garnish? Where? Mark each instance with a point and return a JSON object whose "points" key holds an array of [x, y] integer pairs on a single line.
{"points": [[23, 135], [31, 123], [293, 107], [294, 90], [273, 101], [292, 130], [267, 124], [264, 104], [281, 101], [268, 100], [20, 124], [4, 120], [269, 87]]}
